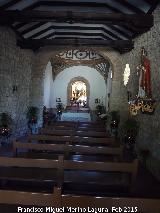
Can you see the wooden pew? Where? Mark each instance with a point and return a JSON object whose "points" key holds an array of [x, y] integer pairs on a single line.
{"points": [[64, 123], [122, 167], [48, 131], [31, 198], [72, 123], [77, 125], [109, 141], [73, 140], [77, 128], [67, 149], [91, 134], [62, 165], [25, 170], [49, 138], [24, 162]]}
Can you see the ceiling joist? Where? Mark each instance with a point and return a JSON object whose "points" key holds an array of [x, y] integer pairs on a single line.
{"points": [[79, 5], [78, 23], [123, 45], [140, 21], [9, 4], [67, 29], [113, 31], [130, 6]]}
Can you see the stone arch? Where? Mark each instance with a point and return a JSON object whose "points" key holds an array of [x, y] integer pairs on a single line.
{"points": [[88, 65], [47, 53], [78, 78], [118, 98]]}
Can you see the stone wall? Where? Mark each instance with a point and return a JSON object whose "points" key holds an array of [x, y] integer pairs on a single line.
{"points": [[118, 97], [149, 133], [15, 70]]}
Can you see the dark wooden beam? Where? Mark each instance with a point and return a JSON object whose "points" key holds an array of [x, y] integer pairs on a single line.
{"points": [[121, 32], [9, 4], [129, 28], [123, 45], [32, 28], [18, 34], [71, 27], [153, 7], [19, 25], [67, 37], [64, 34], [71, 4], [41, 32], [130, 6], [136, 21]]}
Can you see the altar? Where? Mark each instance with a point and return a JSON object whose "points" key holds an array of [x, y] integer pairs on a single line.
{"points": [[76, 116]]}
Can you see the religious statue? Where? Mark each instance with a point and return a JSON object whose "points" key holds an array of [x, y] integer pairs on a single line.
{"points": [[144, 76], [143, 101]]}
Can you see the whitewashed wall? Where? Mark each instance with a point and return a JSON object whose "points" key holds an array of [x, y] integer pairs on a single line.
{"points": [[58, 88]]}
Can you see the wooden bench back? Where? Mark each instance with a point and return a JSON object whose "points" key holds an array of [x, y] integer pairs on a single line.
{"points": [[25, 162], [124, 167], [49, 131], [66, 148], [74, 123], [75, 128], [62, 164], [56, 199], [91, 134], [73, 139], [53, 138]]}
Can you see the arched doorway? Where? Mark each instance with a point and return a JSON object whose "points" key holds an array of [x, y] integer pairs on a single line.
{"points": [[48, 53], [78, 92]]}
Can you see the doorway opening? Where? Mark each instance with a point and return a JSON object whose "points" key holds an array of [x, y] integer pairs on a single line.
{"points": [[78, 94]]}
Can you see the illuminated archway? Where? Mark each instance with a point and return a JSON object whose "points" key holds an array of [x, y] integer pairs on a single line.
{"points": [[78, 94], [80, 91]]}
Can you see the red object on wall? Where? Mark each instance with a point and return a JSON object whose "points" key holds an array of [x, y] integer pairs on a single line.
{"points": [[147, 76]]}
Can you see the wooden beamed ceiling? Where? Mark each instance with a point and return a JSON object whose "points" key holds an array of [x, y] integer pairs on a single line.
{"points": [[111, 23], [84, 4], [120, 45]]}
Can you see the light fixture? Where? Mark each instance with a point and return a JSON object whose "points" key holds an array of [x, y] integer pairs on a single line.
{"points": [[126, 75]]}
